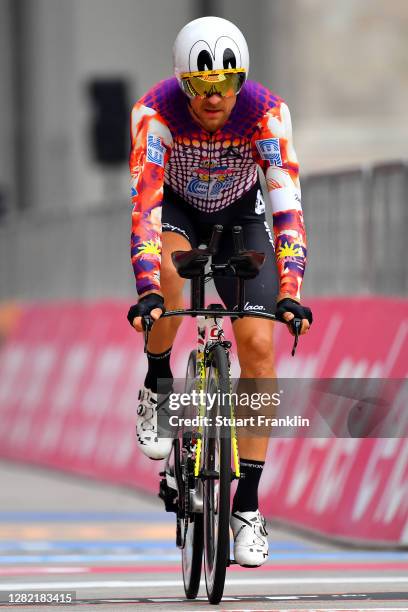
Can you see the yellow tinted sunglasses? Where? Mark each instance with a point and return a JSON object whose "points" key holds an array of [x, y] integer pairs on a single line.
{"points": [[226, 83]]}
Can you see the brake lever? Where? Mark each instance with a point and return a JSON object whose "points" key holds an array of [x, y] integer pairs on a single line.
{"points": [[296, 326], [147, 323]]}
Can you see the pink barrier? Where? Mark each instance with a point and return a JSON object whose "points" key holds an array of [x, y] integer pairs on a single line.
{"points": [[69, 376], [352, 489]]}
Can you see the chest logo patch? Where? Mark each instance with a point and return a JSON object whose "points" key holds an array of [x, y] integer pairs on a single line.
{"points": [[269, 150], [209, 180]]}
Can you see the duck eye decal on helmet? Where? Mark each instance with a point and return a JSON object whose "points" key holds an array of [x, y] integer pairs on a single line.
{"points": [[204, 61], [229, 60], [227, 53], [210, 57]]}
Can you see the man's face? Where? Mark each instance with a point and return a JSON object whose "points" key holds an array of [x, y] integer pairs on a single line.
{"points": [[213, 112]]}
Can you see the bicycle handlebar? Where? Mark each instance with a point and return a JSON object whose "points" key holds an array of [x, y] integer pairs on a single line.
{"points": [[147, 320], [214, 240], [211, 249], [238, 240]]}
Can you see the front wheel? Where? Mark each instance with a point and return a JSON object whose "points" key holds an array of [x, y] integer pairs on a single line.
{"points": [[192, 551], [217, 479], [191, 556]]}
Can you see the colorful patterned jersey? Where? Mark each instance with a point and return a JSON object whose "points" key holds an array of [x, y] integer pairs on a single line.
{"points": [[210, 171]]}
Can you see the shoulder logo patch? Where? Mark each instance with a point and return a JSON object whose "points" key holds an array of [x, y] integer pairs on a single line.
{"points": [[269, 150], [155, 150]]}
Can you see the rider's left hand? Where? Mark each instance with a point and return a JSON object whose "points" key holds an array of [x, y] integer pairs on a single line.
{"points": [[286, 310]]}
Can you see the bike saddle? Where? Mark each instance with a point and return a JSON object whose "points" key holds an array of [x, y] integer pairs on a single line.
{"points": [[247, 264], [190, 263]]}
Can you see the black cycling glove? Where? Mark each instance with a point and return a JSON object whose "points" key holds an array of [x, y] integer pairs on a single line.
{"points": [[145, 306], [289, 305]]}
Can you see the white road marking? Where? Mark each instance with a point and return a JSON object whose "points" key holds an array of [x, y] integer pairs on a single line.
{"points": [[7, 571], [140, 584]]}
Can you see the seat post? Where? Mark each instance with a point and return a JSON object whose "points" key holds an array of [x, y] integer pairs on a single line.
{"points": [[197, 292]]}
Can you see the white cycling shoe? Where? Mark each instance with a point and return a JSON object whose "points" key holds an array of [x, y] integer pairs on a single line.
{"points": [[250, 538], [146, 427]]}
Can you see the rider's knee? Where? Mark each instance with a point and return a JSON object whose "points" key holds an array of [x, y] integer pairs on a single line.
{"points": [[258, 348]]}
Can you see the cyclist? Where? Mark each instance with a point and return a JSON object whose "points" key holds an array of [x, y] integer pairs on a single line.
{"points": [[198, 140]]}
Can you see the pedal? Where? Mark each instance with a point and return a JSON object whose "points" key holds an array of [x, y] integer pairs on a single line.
{"points": [[168, 495]]}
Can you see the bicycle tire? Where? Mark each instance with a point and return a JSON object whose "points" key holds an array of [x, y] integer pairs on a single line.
{"points": [[192, 551], [192, 555], [217, 499]]}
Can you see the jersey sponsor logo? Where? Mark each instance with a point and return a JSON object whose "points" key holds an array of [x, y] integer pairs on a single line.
{"points": [[186, 150], [259, 204], [197, 188], [269, 150], [233, 152], [249, 306], [155, 150], [174, 228], [268, 231], [209, 180]]}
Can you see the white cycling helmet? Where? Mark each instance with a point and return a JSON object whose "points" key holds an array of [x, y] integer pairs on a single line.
{"points": [[210, 56]]}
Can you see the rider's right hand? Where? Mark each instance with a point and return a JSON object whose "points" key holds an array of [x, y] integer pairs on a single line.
{"points": [[151, 304]]}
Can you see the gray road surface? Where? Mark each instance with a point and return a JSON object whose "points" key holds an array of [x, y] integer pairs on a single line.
{"points": [[115, 548]]}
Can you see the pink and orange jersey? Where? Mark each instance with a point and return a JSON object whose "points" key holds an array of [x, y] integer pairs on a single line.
{"points": [[210, 171]]}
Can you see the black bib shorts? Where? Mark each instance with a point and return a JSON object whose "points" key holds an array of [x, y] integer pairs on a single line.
{"points": [[249, 212]]}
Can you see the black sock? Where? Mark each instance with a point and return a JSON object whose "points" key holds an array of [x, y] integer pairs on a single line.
{"points": [[246, 495], [158, 367]]}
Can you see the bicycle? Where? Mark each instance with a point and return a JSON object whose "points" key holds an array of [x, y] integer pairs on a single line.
{"points": [[197, 477]]}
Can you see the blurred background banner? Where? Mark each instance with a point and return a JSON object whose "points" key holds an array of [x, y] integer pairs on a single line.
{"points": [[70, 367], [69, 377]]}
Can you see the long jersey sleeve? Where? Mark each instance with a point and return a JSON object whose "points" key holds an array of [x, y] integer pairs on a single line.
{"points": [[151, 146], [277, 157]]}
